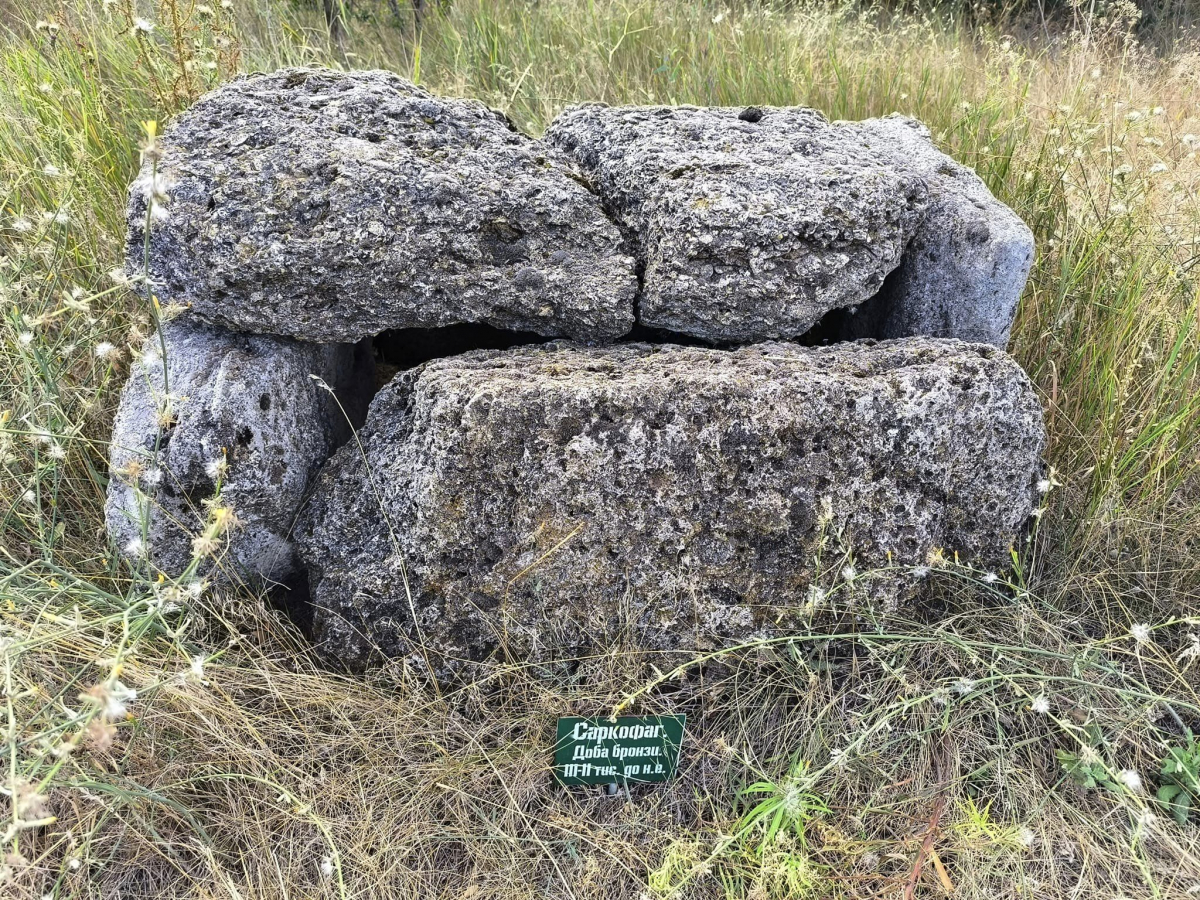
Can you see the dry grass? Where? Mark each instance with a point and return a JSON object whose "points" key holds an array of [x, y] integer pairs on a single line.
{"points": [[240, 770]]}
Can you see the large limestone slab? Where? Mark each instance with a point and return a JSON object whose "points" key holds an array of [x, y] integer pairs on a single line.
{"points": [[247, 401], [754, 223], [538, 502], [331, 206]]}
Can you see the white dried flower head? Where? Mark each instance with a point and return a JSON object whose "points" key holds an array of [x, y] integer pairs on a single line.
{"points": [[226, 4], [143, 26], [25, 338], [46, 88], [22, 225], [118, 697], [105, 350], [196, 588], [1026, 837], [151, 357], [1158, 167], [56, 451], [30, 497], [216, 468], [1140, 633], [1041, 705], [825, 511], [152, 477], [793, 800], [112, 697], [816, 597], [1096, 73], [921, 571], [1131, 779], [964, 686], [849, 574], [204, 545], [1122, 170], [1133, 116], [1044, 485], [990, 578], [57, 218], [196, 668], [203, 9], [135, 547], [1188, 140], [1192, 650], [326, 867]]}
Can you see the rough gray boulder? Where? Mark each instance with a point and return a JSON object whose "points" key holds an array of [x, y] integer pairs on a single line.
{"points": [[244, 400], [539, 502], [754, 223], [965, 267], [331, 206]]}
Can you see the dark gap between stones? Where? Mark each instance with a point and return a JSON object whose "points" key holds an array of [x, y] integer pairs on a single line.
{"points": [[406, 348], [399, 349]]}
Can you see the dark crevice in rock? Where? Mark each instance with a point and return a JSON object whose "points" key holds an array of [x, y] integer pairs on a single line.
{"points": [[405, 348], [870, 318], [644, 334], [294, 599]]}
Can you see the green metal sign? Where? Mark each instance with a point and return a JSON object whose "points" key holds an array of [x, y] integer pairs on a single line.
{"points": [[626, 749]]}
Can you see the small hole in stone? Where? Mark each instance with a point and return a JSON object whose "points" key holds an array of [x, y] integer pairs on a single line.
{"points": [[264, 402]]}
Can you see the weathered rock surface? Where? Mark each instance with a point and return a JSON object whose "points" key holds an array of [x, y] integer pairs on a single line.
{"points": [[540, 501], [754, 223], [249, 396], [330, 206], [965, 267]]}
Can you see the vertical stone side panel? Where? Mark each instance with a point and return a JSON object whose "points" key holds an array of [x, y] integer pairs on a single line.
{"points": [[967, 264], [245, 399]]}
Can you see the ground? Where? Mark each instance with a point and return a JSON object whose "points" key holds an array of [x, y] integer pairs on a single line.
{"points": [[1009, 738]]}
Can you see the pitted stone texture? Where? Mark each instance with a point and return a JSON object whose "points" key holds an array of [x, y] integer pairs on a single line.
{"points": [[754, 223], [539, 502], [251, 396], [965, 268], [331, 206]]}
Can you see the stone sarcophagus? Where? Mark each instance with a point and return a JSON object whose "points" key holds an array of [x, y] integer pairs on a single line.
{"points": [[654, 447]]}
